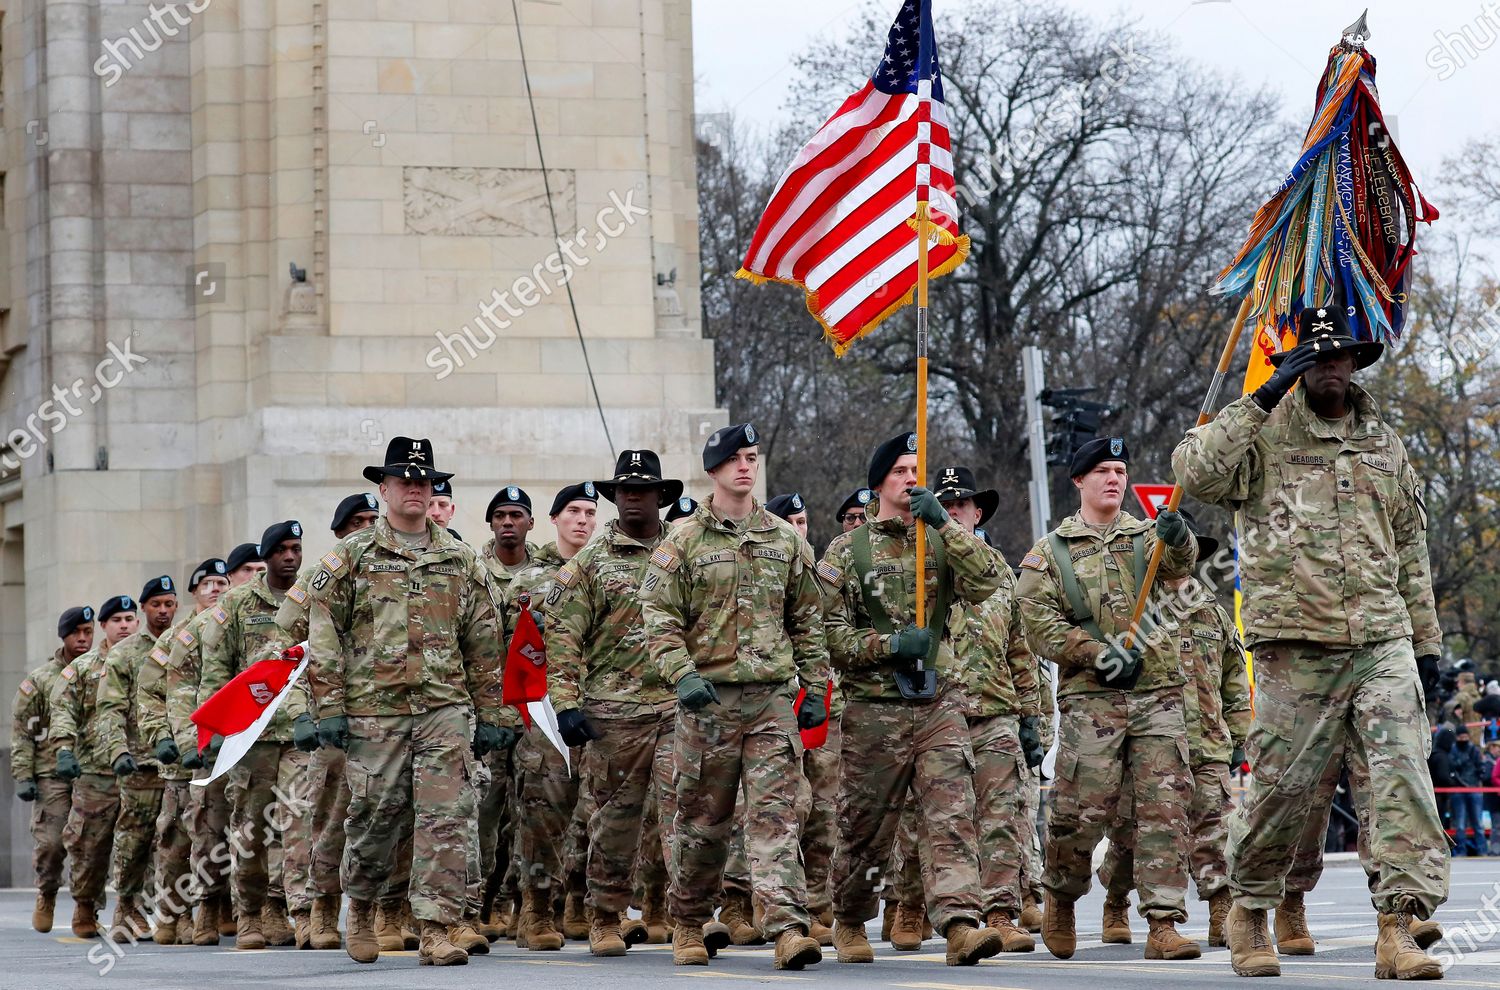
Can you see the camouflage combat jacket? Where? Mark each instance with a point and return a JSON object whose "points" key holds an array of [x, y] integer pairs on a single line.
{"points": [[150, 704], [500, 575], [399, 631], [119, 718], [184, 667], [534, 580], [75, 702], [990, 644], [862, 653], [737, 602], [1217, 707], [241, 630], [1104, 565], [1333, 530], [596, 641], [33, 744]]}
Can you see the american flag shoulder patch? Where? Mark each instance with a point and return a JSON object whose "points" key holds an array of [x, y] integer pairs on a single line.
{"points": [[565, 576], [28, 687], [1035, 561], [830, 573], [186, 637], [68, 673], [297, 594], [333, 562], [220, 616], [161, 657], [666, 558]]}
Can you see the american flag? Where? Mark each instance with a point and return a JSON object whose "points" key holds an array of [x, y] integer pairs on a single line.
{"points": [[840, 223]]}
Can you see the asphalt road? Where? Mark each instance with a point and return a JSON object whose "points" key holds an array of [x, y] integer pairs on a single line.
{"points": [[1339, 914]]}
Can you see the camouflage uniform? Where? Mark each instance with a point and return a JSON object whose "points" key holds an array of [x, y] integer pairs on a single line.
{"points": [[207, 806], [404, 642], [241, 630], [738, 603], [141, 793], [90, 832], [891, 745], [1031, 795], [597, 660], [33, 756], [1338, 603], [1113, 741], [1217, 711], [172, 838]]}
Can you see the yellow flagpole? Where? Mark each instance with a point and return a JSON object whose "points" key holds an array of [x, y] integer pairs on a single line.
{"points": [[923, 229]]}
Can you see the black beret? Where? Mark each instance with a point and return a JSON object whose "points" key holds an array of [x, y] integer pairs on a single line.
{"points": [[275, 533], [885, 456], [681, 509], [1095, 452], [584, 491], [444, 487], [352, 505], [212, 567], [158, 586], [509, 495], [115, 605], [860, 498], [73, 618], [724, 443], [786, 505], [245, 553]]}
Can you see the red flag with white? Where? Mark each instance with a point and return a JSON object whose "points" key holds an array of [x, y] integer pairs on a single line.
{"points": [[240, 710], [524, 684], [841, 224]]}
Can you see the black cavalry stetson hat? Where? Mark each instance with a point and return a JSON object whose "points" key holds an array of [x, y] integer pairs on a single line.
{"points": [[406, 458], [950, 484], [1325, 329], [641, 468], [1207, 545]]}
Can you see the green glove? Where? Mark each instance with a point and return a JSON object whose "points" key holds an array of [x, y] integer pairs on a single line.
{"points": [[166, 751], [1118, 667], [193, 761], [911, 644], [487, 739], [212, 752], [304, 733], [26, 790], [695, 693], [125, 764], [1031, 740], [334, 731], [539, 619], [67, 765], [1172, 529], [926, 507], [1237, 760]]}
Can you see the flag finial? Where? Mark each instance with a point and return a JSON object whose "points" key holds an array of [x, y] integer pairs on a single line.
{"points": [[1356, 34]]}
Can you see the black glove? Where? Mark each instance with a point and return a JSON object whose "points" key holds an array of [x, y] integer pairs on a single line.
{"points": [[67, 765], [212, 752], [166, 751], [334, 731], [911, 644], [1031, 740], [304, 733], [539, 619], [1427, 671], [695, 693], [577, 728], [1118, 667], [487, 739], [192, 761], [812, 713], [926, 507], [1297, 361], [1237, 759], [26, 790], [1171, 528], [125, 764]]}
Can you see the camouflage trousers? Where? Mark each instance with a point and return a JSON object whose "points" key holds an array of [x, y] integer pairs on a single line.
{"points": [[265, 791], [1113, 747], [496, 824], [325, 823], [1308, 698], [656, 837], [999, 811], [546, 794], [135, 831], [1031, 838], [90, 833], [1208, 825], [749, 740], [737, 862], [890, 748], [1307, 861], [172, 883], [49, 819], [818, 817], [618, 772], [411, 775], [904, 879], [208, 821]]}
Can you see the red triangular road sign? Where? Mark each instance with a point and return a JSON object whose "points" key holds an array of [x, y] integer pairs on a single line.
{"points": [[1153, 498]]}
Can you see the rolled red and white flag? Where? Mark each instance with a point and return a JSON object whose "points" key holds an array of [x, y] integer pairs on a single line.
{"points": [[240, 710]]}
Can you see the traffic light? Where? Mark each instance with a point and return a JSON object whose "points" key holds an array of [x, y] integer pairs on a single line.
{"points": [[1076, 422]]}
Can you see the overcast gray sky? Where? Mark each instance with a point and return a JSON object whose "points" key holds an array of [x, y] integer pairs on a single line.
{"points": [[1441, 90]]}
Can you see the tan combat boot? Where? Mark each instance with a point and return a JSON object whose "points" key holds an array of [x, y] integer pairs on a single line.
{"points": [[490, 925], [1059, 928], [1116, 930], [535, 930], [888, 920], [967, 944], [410, 930], [906, 931], [302, 928], [228, 922], [360, 941], [1425, 933], [1031, 915], [166, 930], [41, 915], [795, 949], [248, 933], [654, 915], [687, 946], [1250, 951], [1012, 939], [466, 936], [206, 924], [852, 944], [738, 917], [1292, 936], [325, 922], [273, 922], [120, 929], [510, 920], [1397, 956], [605, 938], [85, 919], [1218, 910], [388, 926], [1165, 942], [820, 929], [139, 925], [436, 949], [575, 923]]}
